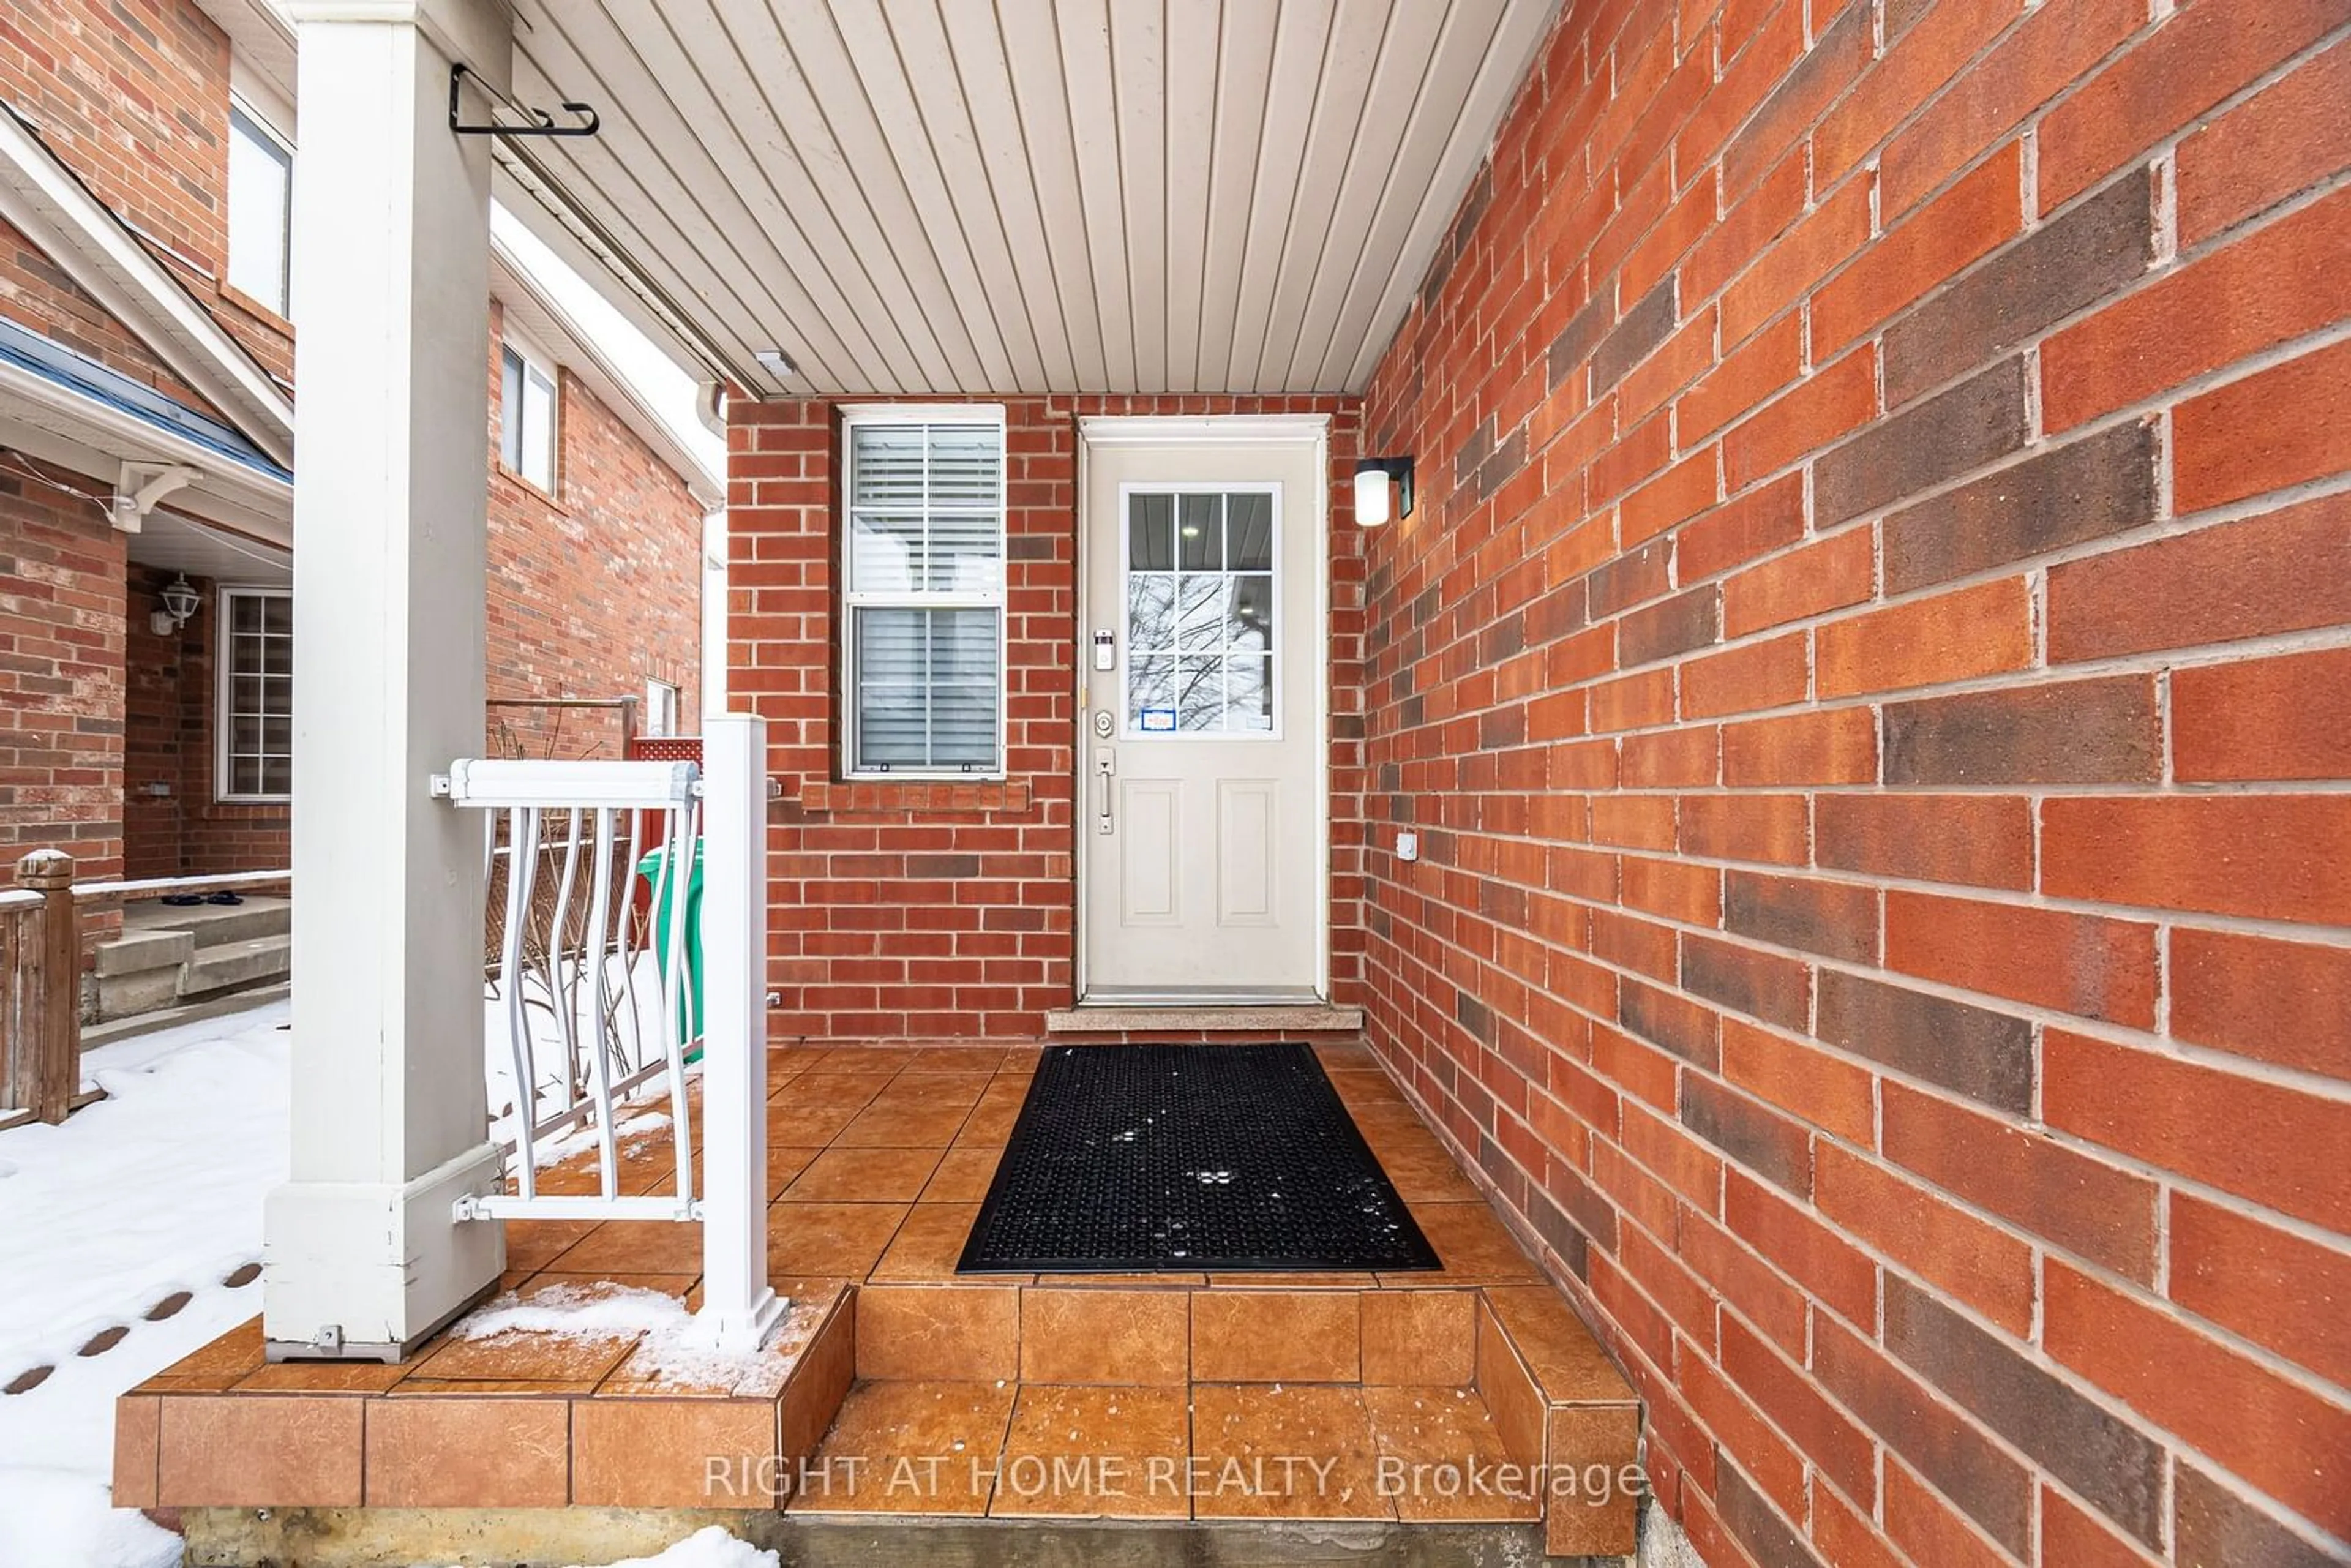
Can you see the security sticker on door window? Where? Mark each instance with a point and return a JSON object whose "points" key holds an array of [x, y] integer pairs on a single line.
{"points": [[1156, 721]]}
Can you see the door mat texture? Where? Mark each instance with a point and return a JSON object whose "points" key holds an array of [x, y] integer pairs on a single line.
{"points": [[1181, 1158]]}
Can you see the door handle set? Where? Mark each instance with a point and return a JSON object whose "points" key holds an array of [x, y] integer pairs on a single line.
{"points": [[1105, 764]]}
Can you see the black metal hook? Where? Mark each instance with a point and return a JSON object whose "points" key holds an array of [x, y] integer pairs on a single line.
{"points": [[541, 123]]}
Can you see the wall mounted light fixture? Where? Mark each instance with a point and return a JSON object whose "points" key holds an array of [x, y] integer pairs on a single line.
{"points": [[180, 601], [1375, 503]]}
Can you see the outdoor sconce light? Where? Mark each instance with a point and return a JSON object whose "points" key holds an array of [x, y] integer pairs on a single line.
{"points": [[1373, 501], [179, 601], [777, 363]]}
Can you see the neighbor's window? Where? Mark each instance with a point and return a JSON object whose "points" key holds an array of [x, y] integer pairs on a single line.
{"points": [[257, 694], [528, 402], [260, 210], [661, 709], [923, 658]]}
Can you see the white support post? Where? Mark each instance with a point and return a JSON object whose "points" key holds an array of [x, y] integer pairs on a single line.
{"points": [[362, 1254], [739, 1310]]}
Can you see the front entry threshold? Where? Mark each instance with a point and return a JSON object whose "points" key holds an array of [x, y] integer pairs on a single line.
{"points": [[1094, 1018]]}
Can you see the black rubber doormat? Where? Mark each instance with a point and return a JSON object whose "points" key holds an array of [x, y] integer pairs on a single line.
{"points": [[1176, 1158]]}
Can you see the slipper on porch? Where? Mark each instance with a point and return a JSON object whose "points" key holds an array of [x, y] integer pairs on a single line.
{"points": [[1180, 1158]]}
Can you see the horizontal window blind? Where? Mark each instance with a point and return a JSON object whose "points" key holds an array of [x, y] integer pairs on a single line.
{"points": [[925, 596]]}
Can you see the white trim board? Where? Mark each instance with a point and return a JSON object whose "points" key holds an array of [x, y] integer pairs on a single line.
{"points": [[44, 200]]}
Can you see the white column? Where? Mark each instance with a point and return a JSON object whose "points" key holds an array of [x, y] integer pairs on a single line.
{"points": [[739, 1309], [390, 252]]}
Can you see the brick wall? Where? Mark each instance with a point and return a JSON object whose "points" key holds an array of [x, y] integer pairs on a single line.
{"points": [[170, 738], [1869, 672], [910, 910], [593, 590], [133, 95], [61, 696]]}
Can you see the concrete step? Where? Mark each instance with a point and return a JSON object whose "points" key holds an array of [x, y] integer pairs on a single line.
{"points": [[214, 924], [138, 991], [140, 949], [220, 966]]}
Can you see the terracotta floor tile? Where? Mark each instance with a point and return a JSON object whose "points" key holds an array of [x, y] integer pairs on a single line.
{"points": [[664, 1373], [1472, 1245], [1602, 1523], [957, 1059], [532, 1244], [785, 1164], [820, 1378], [864, 1175], [1557, 1348], [468, 1453], [963, 1175], [1351, 1056], [1276, 1336], [634, 1246], [1095, 1453], [870, 1058], [1508, 1389], [911, 1447], [219, 1366], [1420, 1337], [904, 1126], [525, 1356], [796, 1124], [1106, 1336], [929, 1242], [940, 1332], [478, 1387], [323, 1377], [934, 1090], [1422, 1172], [1280, 1279], [992, 1119], [830, 1240], [656, 1453], [1242, 1435], [245, 1450], [1443, 1442]]}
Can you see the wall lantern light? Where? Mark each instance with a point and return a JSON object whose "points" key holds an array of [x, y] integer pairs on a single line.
{"points": [[179, 601], [1374, 505]]}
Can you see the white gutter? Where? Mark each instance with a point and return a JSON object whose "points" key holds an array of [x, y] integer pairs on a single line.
{"points": [[130, 438]]}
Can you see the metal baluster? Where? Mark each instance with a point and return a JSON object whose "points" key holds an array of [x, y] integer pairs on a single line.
{"points": [[599, 1065], [522, 866]]}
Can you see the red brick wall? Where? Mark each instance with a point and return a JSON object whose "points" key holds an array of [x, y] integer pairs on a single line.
{"points": [[593, 590], [910, 910], [169, 739], [61, 696], [133, 95], [1869, 670]]}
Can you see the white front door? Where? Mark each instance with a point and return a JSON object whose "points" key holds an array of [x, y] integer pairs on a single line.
{"points": [[1201, 798]]}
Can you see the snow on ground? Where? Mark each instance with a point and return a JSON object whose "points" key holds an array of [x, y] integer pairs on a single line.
{"points": [[154, 1190], [157, 1189]]}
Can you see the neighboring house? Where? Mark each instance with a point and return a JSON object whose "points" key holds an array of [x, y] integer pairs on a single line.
{"points": [[146, 500]]}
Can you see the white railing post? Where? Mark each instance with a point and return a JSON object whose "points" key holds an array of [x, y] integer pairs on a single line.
{"points": [[739, 1310]]}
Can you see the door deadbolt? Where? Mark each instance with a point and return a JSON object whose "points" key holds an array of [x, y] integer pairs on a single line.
{"points": [[1103, 724]]}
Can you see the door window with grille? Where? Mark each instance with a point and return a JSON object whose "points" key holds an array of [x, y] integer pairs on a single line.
{"points": [[923, 571], [1199, 614]]}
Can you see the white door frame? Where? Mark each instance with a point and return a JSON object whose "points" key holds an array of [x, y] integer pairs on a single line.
{"points": [[1144, 431]]}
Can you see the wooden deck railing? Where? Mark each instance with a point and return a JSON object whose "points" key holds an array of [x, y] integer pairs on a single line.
{"points": [[40, 975]]}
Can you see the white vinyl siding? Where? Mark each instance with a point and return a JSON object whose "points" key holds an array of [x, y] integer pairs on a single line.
{"points": [[923, 561], [255, 759]]}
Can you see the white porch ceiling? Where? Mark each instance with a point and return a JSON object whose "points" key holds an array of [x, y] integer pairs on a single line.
{"points": [[944, 196]]}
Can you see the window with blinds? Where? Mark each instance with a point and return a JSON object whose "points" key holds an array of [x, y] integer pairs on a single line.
{"points": [[924, 654]]}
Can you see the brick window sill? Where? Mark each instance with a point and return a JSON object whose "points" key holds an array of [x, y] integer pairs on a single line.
{"points": [[863, 795]]}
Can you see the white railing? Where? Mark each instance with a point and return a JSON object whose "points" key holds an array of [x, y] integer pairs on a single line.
{"points": [[576, 952]]}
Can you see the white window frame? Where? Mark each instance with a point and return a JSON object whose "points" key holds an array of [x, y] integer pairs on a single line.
{"points": [[534, 364], [265, 129], [223, 678], [853, 600], [663, 704]]}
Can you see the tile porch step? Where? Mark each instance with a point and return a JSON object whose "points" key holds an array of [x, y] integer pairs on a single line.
{"points": [[1282, 1019]]}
